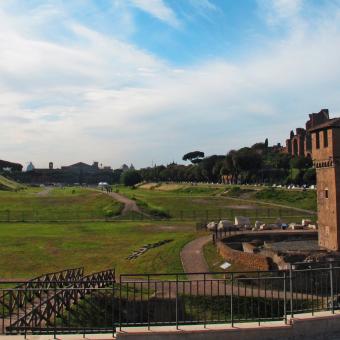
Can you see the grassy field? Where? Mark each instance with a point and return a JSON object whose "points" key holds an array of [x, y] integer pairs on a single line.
{"points": [[6, 184], [293, 198], [28, 250], [39, 204], [204, 202]]}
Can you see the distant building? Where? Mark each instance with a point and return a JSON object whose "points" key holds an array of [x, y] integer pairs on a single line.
{"points": [[82, 167], [75, 173], [9, 166], [300, 143], [30, 167]]}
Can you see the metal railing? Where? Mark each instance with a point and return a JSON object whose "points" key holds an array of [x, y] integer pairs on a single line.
{"points": [[100, 303], [36, 307]]}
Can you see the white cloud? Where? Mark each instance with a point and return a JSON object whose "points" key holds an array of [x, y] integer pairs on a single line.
{"points": [[203, 5], [100, 98], [280, 11], [158, 9]]}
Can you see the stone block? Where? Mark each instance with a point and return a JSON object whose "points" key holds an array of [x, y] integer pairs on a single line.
{"points": [[242, 220], [212, 226]]}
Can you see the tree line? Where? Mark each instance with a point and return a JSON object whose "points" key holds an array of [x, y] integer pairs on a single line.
{"points": [[259, 163]]}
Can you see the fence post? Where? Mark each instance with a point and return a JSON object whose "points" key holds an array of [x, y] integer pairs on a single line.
{"points": [[284, 297], [149, 302], [25, 302], [120, 303], [258, 298], [113, 309], [231, 300], [205, 301], [291, 289], [54, 316], [331, 282], [176, 301]]}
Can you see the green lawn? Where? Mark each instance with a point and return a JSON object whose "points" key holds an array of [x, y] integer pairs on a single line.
{"points": [[58, 204], [28, 250], [205, 202]]}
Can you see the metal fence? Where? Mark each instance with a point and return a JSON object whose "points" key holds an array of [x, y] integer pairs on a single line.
{"points": [[102, 303], [263, 214]]}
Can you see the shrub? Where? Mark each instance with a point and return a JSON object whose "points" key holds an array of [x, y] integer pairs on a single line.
{"points": [[131, 177]]}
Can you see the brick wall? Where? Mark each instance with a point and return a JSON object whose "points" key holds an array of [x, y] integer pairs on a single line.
{"points": [[246, 260]]}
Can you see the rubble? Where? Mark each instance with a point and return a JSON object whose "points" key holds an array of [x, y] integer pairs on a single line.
{"points": [[242, 221], [212, 226], [145, 248]]}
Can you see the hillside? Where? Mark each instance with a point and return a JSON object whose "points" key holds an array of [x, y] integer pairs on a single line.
{"points": [[7, 184]]}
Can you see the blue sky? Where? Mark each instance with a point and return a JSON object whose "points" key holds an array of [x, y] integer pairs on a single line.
{"points": [[145, 81]]}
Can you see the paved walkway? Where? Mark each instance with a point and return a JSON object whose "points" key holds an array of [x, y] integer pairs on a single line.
{"points": [[192, 258]]}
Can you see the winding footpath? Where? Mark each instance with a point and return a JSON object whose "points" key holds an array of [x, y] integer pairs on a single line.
{"points": [[129, 204], [193, 260]]}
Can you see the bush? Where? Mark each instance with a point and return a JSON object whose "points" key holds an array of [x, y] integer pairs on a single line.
{"points": [[131, 177]]}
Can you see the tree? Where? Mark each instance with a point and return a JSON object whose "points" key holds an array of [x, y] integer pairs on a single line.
{"points": [[194, 156], [309, 176], [117, 173], [131, 177], [301, 162], [266, 143]]}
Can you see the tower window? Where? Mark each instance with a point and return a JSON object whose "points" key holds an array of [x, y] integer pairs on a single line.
{"points": [[318, 140], [326, 193], [325, 138]]}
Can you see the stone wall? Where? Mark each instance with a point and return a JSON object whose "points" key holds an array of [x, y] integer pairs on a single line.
{"points": [[246, 260]]}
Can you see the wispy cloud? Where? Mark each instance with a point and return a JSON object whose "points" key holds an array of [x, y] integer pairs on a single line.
{"points": [[100, 97], [158, 9], [279, 11]]}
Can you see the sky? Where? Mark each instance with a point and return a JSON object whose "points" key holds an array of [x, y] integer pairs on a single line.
{"points": [[146, 81]]}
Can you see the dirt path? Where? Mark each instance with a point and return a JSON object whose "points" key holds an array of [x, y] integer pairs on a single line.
{"points": [[45, 191], [192, 258], [129, 204]]}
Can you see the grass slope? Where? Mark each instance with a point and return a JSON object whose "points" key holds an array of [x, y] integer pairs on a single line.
{"points": [[7, 184], [292, 198], [62, 204], [218, 201], [31, 249]]}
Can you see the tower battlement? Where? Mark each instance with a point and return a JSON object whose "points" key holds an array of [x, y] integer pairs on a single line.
{"points": [[326, 160]]}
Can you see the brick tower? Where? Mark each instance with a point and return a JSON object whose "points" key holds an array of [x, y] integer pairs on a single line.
{"points": [[326, 159]]}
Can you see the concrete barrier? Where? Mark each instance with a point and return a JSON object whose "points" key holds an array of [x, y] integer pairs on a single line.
{"points": [[322, 326]]}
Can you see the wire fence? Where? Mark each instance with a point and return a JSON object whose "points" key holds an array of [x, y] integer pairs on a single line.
{"points": [[105, 303], [263, 214]]}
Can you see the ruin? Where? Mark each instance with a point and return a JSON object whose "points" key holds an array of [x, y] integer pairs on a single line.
{"points": [[326, 159], [300, 143]]}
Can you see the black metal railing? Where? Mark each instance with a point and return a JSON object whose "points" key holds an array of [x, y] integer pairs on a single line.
{"points": [[102, 303]]}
